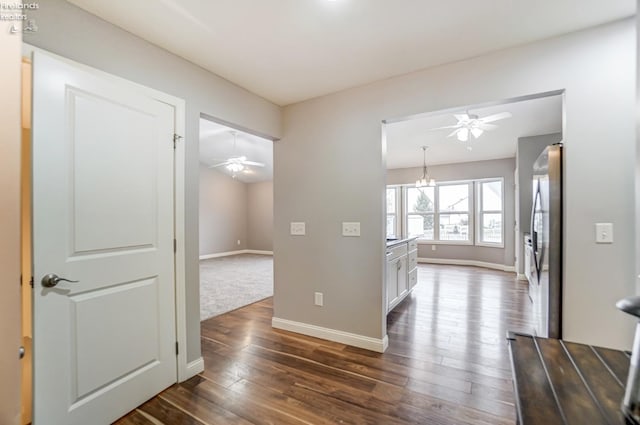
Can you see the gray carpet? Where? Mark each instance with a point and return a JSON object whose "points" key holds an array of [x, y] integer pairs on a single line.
{"points": [[228, 283]]}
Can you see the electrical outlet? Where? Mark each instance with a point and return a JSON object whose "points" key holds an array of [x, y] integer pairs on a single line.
{"points": [[351, 229], [298, 228], [604, 232], [318, 299], [238, 241], [433, 247]]}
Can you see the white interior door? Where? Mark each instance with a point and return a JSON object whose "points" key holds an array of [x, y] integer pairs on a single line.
{"points": [[102, 215]]}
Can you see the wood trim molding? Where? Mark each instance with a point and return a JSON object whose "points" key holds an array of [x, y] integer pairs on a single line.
{"points": [[486, 265], [361, 341], [193, 368], [258, 252], [229, 253]]}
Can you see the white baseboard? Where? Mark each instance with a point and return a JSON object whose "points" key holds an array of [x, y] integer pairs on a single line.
{"points": [[486, 265], [361, 341], [255, 251], [241, 251], [193, 368], [222, 254]]}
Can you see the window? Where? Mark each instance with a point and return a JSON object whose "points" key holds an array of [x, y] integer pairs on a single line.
{"points": [[453, 212], [464, 212], [393, 229], [439, 213], [421, 212], [490, 212]]}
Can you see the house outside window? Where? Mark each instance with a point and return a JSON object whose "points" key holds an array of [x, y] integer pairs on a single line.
{"points": [[453, 212], [490, 213]]}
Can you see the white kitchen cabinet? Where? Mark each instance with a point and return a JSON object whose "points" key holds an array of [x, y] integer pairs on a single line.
{"points": [[401, 274], [412, 264], [392, 282]]}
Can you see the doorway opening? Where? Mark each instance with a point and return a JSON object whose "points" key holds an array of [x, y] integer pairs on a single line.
{"points": [[236, 217], [25, 231], [465, 204]]}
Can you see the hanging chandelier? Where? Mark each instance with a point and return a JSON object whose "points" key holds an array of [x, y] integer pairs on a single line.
{"points": [[425, 180]]}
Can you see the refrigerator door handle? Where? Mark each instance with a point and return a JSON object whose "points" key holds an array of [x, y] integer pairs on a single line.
{"points": [[534, 234]]}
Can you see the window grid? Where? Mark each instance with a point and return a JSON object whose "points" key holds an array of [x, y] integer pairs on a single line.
{"points": [[450, 224], [490, 233]]}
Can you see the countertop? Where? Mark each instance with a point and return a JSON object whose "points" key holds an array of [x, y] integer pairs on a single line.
{"points": [[399, 241]]}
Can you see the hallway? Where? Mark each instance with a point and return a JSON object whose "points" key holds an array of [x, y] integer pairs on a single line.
{"points": [[447, 363]]}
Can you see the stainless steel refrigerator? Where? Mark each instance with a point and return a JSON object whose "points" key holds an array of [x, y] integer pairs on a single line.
{"points": [[545, 287]]}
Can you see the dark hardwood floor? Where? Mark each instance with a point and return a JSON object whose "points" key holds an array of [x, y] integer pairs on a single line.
{"points": [[447, 363]]}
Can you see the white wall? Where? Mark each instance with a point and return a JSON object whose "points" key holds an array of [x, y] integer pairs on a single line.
{"points": [[637, 181], [503, 168], [260, 216], [10, 47], [231, 210], [223, 212], [71, 32], [343, 177]]}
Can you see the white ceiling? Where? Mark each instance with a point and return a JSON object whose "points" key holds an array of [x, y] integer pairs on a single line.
{"points": [[216, 146], [529, 118], [291, 50]]}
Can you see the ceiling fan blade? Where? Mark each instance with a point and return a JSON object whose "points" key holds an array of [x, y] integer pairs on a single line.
{"points": [[483, 126], [453, 133], [496, 117], [445, 127], [462, 117], [219, 164], [253, 163]]}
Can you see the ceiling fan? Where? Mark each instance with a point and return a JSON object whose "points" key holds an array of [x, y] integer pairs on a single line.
{"points": [[236, 164], [473, 124]]}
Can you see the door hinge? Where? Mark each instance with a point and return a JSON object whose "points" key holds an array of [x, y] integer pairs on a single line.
{"points": [[177, 351], [31, 281], [175, 139], [175, 246]]}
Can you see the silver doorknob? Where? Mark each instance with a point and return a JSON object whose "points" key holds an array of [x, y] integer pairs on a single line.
{"points": [[50, 280]]}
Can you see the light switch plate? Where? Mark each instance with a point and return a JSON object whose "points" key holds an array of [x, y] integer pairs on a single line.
{"points": [[298, 228], [604, 232], [351, 228]]}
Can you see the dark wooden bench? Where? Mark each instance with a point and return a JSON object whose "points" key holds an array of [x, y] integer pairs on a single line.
{"points": [[558, 382]]}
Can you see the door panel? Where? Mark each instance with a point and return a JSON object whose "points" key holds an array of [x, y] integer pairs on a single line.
{"points": [[92, 337], [102, 215], [128, 196]]}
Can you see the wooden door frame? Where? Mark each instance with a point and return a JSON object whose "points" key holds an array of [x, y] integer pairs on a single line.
{"points": [[184, 370]]}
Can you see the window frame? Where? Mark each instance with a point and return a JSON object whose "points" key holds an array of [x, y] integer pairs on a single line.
{"points": [[437, 213], [398, 221], [479, 212]]}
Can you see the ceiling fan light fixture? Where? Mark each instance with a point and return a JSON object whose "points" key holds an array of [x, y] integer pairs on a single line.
{"points": [[463, 134], [471, 124], [234, 167]]}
